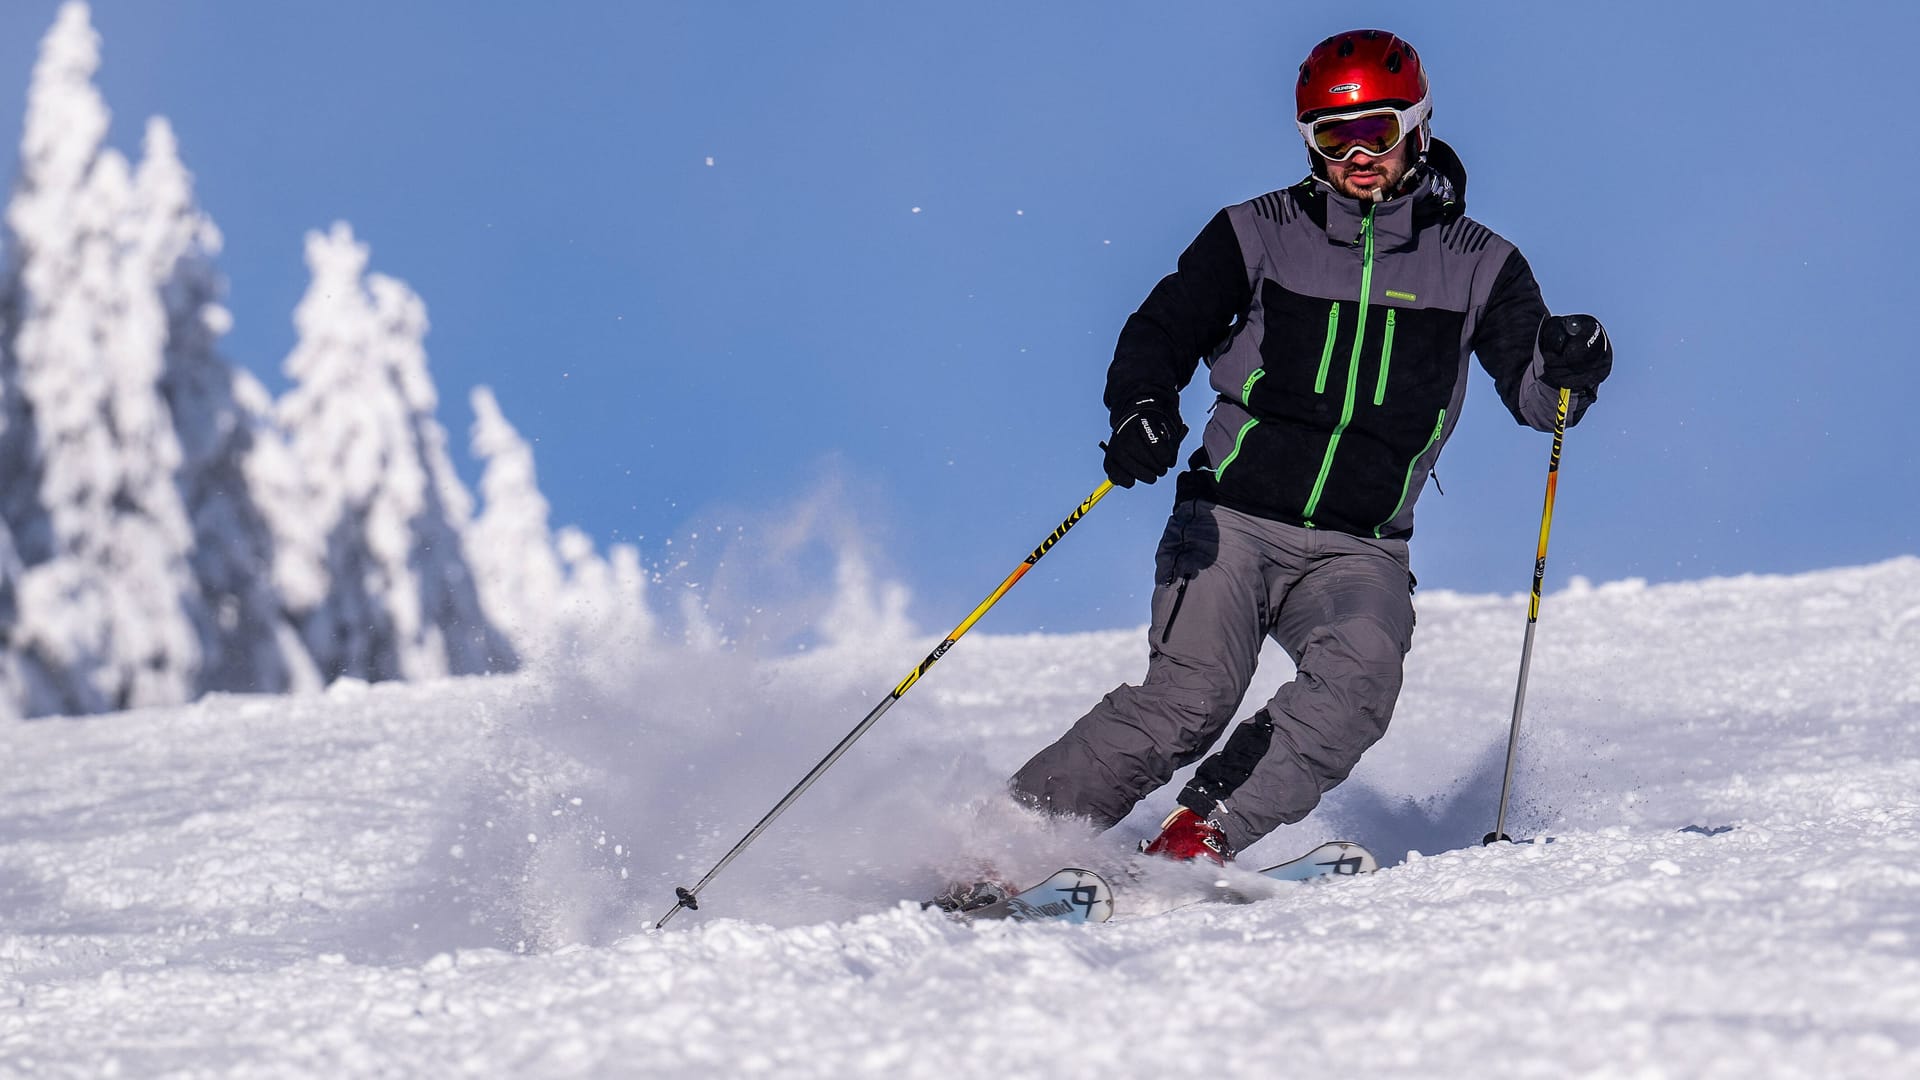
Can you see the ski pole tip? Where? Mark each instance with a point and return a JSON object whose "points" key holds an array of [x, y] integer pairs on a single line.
{"points": [[688, 899], [1495, 838]]}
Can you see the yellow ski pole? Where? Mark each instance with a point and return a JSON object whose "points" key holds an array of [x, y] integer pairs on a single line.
{"points": [[1533, 619], [690, 898]]}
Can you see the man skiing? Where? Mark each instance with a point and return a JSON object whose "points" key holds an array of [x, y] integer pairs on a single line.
{"points": [[1337, 318]]}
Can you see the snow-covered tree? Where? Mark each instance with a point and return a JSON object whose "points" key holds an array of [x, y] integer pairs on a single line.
{"points": [[552, 594], [604, 606], [514, 562], [107, 607], [13, 694], [371, 561], [223, 419], [865, 612]]}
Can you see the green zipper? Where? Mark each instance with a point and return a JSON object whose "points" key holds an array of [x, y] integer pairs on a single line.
{"points": [[1353, 369], [1438, 426], [1326, 351], [1246, 398], [1386, 361], [1220, 470]]}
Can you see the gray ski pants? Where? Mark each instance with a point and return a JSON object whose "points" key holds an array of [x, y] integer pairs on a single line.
{"points": [[1342, 608]]}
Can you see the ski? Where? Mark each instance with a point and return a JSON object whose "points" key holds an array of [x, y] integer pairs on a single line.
{"points": [[1336, 858], [1070, 895], [1073, 895]]}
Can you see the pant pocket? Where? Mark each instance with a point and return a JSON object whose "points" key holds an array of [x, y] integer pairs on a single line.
{"points": [[1179, 587], [1190, 544]]}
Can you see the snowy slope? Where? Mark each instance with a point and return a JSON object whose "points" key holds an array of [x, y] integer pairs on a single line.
{"points": [[458, 878]]}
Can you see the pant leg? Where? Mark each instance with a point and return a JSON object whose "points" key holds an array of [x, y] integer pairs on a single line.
{"points": [[1210, 613], [1348, 623]]}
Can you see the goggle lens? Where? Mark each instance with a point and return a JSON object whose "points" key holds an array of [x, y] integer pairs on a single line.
{"points": [[1338, 138]]}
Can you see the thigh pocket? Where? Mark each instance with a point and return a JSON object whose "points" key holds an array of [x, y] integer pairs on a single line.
{"points": [[1190, 544]]}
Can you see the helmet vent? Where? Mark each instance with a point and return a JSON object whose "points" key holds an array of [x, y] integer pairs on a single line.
{"points": [[1346, 47], [1393, 62]]}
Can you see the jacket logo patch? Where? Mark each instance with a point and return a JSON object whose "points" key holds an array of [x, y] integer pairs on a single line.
{"points": [[1396, 294]]}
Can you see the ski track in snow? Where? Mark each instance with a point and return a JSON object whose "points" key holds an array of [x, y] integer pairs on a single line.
{"points": [[459, 878]]}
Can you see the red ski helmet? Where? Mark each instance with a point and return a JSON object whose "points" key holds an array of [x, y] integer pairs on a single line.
{"points": [[1359, 68]]}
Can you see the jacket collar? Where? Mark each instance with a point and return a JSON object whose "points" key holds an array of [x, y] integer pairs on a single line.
{"points": [[1393, 224], [1439, 197]]}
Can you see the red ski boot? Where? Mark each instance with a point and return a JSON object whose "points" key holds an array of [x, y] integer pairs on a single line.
{"points": [[1186, 836]]}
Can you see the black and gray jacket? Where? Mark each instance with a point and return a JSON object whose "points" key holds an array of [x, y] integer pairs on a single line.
{"points": [[1338, 335]]}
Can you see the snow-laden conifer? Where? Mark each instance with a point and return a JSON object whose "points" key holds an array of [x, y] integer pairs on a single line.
{"points": [[13, 691], [514, 562], [553, 594], [865, 611], [373, 563], [107, 612], [223, 419], [604, 608]]}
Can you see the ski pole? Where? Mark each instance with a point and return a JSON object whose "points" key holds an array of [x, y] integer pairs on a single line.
{"points": [[1533, 619], [690, 898]]}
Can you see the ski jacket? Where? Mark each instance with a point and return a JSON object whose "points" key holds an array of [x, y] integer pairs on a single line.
{"points": [[1338, 336]]}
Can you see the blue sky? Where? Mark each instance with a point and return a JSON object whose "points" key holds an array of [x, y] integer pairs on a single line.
{"points": [[692, 345]]}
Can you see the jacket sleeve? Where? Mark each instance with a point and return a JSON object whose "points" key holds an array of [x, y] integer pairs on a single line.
{"points": [[1507, 342], [1184, 318]]}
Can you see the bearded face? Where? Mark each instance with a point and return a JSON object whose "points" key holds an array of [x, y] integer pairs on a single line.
{"points": [[1369, 178]]}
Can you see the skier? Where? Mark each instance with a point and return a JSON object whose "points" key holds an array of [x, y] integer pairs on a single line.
{"points": [[1337, 317]]}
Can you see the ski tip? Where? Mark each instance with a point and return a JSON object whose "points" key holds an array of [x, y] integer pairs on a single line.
{"points": [[1335, 858], [1071, 895], [1088, 895]]}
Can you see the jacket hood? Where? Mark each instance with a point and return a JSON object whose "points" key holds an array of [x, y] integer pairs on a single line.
{"points": [[1446, 186]]}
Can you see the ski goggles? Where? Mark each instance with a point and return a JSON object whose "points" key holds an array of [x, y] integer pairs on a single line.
{"points": [[1375, 131]]}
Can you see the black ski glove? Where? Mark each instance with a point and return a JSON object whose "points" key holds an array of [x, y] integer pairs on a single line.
{"points": [[1145, 443], [1577, 352]]}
